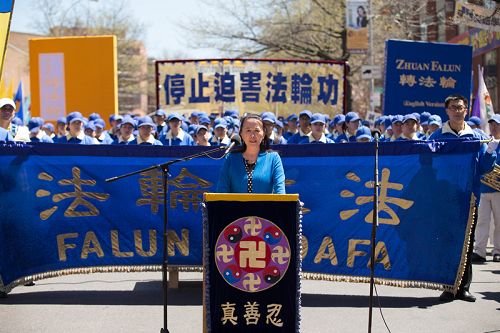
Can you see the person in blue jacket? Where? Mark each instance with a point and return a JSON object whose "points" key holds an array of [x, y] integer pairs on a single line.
{"points": [[5, 136], [176, 136], [36, 133], [76, 134], [317, 135], [252, 167], [457, 128], [145, 126]]}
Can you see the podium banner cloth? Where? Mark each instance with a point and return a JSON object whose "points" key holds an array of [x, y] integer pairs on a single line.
{"points": [[251, 262], [59, 216]]}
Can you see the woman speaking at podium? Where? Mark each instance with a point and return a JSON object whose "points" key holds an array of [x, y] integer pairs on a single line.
{"points": [[252, 167]]}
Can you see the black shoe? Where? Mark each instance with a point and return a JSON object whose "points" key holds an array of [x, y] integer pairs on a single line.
{"points": [[496, 257], [477, 259], [30, 284], [446, 296], [465, 295]]}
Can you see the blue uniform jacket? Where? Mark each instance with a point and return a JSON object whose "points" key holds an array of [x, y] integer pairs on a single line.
{"points": [[268, 175], [5, 136], [486, 161]]}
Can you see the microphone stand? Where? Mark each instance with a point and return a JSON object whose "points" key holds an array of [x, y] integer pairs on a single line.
{"points": [[164, 167], [376, 186]]}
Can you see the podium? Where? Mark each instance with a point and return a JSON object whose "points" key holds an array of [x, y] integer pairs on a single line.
{"points": [[251, 262]]}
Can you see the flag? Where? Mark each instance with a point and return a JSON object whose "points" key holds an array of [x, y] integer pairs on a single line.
{"points": [[483, 107], [18, 99], [6, 8]]}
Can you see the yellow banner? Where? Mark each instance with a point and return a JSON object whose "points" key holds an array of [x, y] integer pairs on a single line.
{"points": [[4, 37]]}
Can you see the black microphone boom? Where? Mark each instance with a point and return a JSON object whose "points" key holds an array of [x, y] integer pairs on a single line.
{"points": [[235, 140]]}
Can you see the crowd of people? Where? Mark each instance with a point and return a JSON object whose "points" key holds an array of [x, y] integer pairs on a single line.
{"points": [[201, 129], [261, 131]]}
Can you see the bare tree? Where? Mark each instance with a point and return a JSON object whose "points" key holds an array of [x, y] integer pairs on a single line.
{"points": [[306, 29]]}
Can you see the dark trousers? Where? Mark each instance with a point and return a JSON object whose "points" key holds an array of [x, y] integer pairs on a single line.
{"points": [[467, 277]]}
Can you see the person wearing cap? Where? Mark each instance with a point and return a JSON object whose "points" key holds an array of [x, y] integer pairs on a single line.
{"points": [[145, 137], [457, 128], [94, 116], [363, 134], [114, 121], [292, 126], [202, 135], [317, 135], [434, 123], [36, 133], [475, 123], [159, 118], [278, 130], [125, 136], [49, 130], [61, 129], [304, 127], [76, 134], [338, 125], [176, 136], [7, 113], [352, 122], [269, 121], [387, 134], [489, 207], [233, 127], [194, 118], [397, 127], [409, 128], [252, 167], [220, 133], [89, 129], [100, 134], [424, 122]]}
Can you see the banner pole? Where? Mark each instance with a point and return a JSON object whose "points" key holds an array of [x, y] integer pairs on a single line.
{"points": [[376, 186]]}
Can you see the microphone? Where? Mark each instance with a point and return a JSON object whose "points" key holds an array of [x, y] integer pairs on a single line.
{"points": [[235, 140], [376, 134]]}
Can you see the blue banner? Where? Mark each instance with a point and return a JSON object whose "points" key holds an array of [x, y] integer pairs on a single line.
{"points": [[420, 75], [59, 214]]}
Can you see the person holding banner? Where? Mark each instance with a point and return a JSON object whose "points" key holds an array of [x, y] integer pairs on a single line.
{"points": [[490, 206], [252, 167], [457, 128]]}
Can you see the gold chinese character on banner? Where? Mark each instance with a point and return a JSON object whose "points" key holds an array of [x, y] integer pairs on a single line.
{"points": [[427, 82], [228, 313], [445, 82], [190, 194], [407, 80], [151, 189], [384, 199], [252, 313], [75, 208], [191, 189], [273, 311]]}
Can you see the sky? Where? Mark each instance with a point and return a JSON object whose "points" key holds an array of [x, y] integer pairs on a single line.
{"points": [[159, 17]]}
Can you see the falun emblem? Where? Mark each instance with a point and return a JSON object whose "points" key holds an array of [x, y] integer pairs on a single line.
{"points": [[252, 254]]}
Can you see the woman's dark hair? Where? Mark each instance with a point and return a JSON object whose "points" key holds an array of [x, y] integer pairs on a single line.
{"points": [[264, 145]]}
